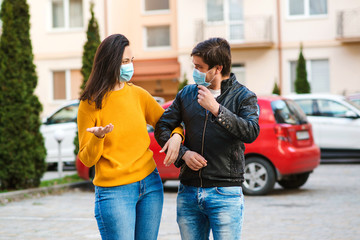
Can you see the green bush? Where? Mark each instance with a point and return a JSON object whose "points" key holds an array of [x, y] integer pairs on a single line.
{"points": [[22, 151], [276, 89], [183, 83]]}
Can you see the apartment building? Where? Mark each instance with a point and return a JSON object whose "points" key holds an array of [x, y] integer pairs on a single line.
{"points": [[265, 38], [58, 33]]}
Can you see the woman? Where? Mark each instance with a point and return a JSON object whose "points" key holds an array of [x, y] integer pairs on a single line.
{"points": [[113, 136]]}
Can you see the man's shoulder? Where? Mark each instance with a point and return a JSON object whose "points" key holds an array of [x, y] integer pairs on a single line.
{"points": [[191, 88]]}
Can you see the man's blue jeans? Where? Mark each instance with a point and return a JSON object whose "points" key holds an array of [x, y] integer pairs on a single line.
{"points": [[201, 209], [131, 211]]}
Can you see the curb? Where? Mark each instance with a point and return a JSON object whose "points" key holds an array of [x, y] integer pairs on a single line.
{"points": [[19, 195]]}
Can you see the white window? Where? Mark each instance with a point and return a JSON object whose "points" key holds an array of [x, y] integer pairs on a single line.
{"points": [[317, 74], [239, 71], [66, 84], [307, 8], [229, 12], [66, 14], [156, 6], [157, 37]]}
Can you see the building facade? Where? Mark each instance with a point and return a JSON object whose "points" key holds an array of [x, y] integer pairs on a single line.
{"points": [[265, 38]]}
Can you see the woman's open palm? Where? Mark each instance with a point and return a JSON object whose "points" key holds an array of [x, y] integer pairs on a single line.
{"points": [[101, 131]]}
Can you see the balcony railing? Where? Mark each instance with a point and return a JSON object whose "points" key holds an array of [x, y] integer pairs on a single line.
{"points": [[252, 32], [348, 25]]}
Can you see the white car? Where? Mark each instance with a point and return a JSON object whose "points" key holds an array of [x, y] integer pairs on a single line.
{"points": [[64, 120], [335, 121]]}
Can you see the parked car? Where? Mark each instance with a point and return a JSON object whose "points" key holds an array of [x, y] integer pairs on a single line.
{"points": [[284, 152], [64, 119], [355, 98], [335, 121]]}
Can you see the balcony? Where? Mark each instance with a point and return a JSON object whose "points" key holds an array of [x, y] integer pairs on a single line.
{"points": [[348, 27], [252, 32]]}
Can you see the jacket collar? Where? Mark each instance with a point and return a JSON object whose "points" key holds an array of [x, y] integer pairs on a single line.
{"points": [[227, 83]]}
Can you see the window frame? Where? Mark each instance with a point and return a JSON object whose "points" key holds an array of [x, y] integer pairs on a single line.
{"points": [[306, 14], [308, 71], [154, 12], [156, 48], [227, 22], [67, 85], [66, 28]]}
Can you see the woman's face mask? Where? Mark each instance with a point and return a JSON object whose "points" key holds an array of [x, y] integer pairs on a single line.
{"points": [[126, 72], [199, 78]]}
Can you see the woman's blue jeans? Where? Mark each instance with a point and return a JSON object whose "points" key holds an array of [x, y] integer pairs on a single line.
{"points": [[131, 211], [218, 208]]}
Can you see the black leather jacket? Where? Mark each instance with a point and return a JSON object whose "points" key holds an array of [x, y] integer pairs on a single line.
{"points": [[220, 140]]}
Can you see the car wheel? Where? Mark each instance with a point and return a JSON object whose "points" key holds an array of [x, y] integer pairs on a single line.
{"points": [[259, 177], [294, 181]]}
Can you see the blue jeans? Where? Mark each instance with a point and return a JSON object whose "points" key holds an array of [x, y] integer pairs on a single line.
{"points": [[201, 209], [131, 211]]}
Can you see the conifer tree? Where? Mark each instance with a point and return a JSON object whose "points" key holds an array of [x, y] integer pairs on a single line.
{"points": [[301, 83], [90, 47], [22, 151], [276, 89]]}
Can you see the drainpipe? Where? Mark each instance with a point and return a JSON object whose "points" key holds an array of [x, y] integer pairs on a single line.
{"points": [[279, 44], [105, 18]]}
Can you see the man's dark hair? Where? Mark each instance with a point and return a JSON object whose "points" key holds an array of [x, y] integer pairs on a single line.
{"points": [[214, 51], [106, 69]]}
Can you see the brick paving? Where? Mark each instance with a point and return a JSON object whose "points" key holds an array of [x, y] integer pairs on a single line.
{"points": [[327, 207]]}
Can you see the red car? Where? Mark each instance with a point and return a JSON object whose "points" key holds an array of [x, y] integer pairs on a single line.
{"points": [[284, 152]]}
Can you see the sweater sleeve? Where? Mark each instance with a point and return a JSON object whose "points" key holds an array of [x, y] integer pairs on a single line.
{"points": [[90, 146], [153, 113]]}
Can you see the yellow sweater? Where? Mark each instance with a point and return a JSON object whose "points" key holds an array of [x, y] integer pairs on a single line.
{"points": [[123, 155]]}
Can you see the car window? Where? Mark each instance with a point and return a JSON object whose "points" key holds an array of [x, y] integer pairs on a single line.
{"points": [[329, 108], [287, 111], [64, 115]]}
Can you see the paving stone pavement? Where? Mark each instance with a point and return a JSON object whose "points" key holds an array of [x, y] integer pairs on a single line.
{"points": [[327, 207]]}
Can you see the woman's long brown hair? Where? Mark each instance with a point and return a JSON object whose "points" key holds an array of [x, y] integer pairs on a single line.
{"points": [[106, 69]]}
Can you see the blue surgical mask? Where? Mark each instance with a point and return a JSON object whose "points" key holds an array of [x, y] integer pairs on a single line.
{"points": [[199, 78], [126, 72]]}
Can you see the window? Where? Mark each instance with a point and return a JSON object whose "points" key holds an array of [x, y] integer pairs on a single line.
{"points": [[156, 5], [239, 71], [158, 36], [306, 8], [66, 14], [66, 84], [230, 12], [64, 115], [329, 108], [317, 74]]}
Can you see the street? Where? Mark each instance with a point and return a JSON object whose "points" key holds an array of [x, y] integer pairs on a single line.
{"points": [[327, 207]]}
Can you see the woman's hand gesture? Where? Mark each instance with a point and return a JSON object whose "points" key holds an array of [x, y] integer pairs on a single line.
{"points": [[101, 131]]}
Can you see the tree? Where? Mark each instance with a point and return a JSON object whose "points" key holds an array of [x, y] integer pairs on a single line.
{"points": [[301, 83], [22, 151], [183, 83], [90, 47], [276, 89]]}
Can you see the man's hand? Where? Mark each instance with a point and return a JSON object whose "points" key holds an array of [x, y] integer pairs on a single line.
{"points": [[172, 146], [101, 131], [194, 160], [207, 100]]}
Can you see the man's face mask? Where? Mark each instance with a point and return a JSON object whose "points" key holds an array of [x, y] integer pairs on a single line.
{"points": [[199, 78], [126, 72]]}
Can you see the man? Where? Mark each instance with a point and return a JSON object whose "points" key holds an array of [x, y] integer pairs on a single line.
{"points": [[219, 115]]}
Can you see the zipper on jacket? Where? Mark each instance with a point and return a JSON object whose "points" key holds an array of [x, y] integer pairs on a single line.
{"points": [[202, 144]]}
